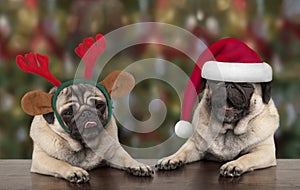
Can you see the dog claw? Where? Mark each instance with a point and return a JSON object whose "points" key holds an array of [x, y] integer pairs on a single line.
{"points": [[168, 164], [78, 175], [230, 170], [145, 171]]}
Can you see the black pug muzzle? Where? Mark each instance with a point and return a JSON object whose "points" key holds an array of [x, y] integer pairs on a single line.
{"points": [[85, 125], [230, 101]]}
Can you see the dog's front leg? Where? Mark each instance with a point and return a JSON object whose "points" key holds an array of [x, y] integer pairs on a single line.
{"points": [[117, 157], [186, 154], [42, 163], [261, 156]]}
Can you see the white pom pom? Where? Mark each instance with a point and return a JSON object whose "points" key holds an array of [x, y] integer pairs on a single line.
{"points": [[183, 129]]}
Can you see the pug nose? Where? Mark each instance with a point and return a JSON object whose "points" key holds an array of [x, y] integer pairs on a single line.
{"points": [[86, 113]]}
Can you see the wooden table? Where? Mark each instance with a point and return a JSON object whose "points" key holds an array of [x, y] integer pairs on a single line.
{"points": [[15, 174]]}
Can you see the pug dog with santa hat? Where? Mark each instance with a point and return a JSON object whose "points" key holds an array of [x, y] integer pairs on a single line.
{"points": [[236, 118]]}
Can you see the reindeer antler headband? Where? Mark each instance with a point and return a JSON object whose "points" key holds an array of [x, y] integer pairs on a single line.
{"points": [[89, 51]]}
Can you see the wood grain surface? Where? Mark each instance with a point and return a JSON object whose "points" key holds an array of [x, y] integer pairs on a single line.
{"points": [[15, 174]]}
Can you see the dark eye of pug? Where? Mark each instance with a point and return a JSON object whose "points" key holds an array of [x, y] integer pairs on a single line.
{"points": [[100, 105], [68, 113]]}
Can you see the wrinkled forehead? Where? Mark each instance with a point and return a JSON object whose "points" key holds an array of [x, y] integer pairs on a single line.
{"points": [[223, 86], [213, 83], [79, 93]]}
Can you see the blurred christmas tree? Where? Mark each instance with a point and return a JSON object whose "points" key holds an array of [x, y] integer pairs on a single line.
{"points": [[55, 28]]}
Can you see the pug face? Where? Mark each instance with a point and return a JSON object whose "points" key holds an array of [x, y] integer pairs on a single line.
{"points": [[83, 109], [229, 101]]}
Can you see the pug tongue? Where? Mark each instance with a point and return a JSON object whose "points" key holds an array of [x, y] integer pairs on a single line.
{"points": [[90, 124], [227, 107]]}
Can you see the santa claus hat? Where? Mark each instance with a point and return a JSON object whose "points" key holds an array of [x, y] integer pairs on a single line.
{"points": [[228, 60]]}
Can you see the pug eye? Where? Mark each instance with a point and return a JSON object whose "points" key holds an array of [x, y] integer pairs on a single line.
{"points": [[68, 112], [100, 105]]}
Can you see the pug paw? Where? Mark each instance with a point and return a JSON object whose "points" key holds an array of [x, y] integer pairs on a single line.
{"points": [[232, 169], [143, 170], [168, 164], [77, 175]]}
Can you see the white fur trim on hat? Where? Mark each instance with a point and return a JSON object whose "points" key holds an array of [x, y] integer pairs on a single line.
{"points": [[237, 72], [184, 129]]}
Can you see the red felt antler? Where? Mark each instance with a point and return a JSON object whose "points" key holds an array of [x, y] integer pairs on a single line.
{"points": [[89, 51], [36, 64]]}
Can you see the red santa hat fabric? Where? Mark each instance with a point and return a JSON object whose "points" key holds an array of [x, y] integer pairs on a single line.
{"points": [[228, 60]]}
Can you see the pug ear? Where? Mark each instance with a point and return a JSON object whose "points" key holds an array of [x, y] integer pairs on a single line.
{"points": [[49, 117], [37, 103], [266, 91], [118, 83]]}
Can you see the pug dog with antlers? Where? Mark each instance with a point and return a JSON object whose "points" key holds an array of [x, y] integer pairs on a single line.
{"points": [[73, 129]]}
